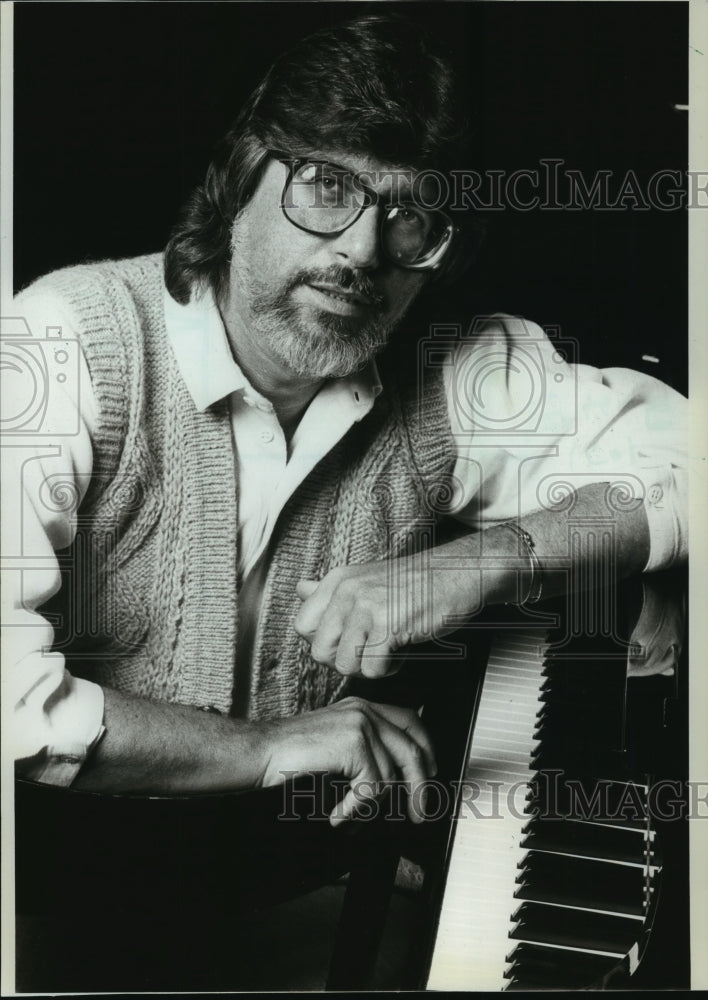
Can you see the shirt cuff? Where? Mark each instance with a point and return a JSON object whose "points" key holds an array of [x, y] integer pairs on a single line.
{"points": [[658, 637], [668, 543], [59, 766], [76, 729]]}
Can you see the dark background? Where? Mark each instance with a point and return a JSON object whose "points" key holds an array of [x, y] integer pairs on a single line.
{"points": [[117, 108]]}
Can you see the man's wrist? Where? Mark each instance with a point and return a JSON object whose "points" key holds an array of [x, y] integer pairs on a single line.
{"points": [[162, 748], [498, 569], [535, 591]]}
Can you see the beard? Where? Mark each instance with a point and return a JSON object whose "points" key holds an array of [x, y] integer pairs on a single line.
{"points": [[314, 342]]}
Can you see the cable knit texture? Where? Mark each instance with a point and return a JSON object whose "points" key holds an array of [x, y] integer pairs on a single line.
{"points": [[149, 596]]}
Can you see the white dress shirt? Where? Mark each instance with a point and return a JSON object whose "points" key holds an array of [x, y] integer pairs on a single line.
{"points": [[590, 425]]}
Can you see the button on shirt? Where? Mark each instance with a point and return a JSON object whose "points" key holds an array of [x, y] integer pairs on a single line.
{"points": [[594, 425]]}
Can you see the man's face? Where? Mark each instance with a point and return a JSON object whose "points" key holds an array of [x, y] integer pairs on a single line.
{"points": [[320, 305]]}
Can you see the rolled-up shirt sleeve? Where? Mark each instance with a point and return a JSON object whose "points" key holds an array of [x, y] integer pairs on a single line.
{"points": [[531, 425], [52, 719]]}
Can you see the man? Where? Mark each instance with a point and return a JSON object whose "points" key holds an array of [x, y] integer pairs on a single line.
{"points": [[251, 485]]}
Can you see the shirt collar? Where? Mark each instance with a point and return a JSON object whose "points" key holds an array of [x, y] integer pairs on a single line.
{"points": [[201, 347]]}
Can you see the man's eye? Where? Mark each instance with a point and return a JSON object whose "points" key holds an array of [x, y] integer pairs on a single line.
{"points": [[316, 173], [322, 185], [332, 188], [330, 178], [409, 217]]}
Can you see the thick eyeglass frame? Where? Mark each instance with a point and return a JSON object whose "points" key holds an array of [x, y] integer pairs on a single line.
{"points": [[431, 262]]}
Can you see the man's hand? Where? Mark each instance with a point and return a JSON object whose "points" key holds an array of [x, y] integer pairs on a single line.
{"points": [[356, 617], [160, 748], [369, 744]]}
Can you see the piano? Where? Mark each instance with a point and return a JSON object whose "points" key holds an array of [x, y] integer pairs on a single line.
{"points": [[548, 870], [551, 876]]}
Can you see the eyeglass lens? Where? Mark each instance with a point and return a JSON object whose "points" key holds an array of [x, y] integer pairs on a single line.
{"points": [[324, 198]]}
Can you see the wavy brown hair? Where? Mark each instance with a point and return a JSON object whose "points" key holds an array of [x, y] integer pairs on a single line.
{"points": [[374, 85]]}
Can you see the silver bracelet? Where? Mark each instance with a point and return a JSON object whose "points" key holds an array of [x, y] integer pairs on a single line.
{"points": [[536, 585]]}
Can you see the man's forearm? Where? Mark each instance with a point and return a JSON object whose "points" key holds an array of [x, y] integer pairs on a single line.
{"points": [[165, 748], [161, 748], [572, 541], [357, 616]]}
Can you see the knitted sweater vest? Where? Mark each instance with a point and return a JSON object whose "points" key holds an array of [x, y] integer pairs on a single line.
{"points": [[149, 597]]}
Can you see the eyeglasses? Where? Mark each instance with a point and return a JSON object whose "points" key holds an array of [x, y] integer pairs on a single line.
{"points": [[324, 198]]}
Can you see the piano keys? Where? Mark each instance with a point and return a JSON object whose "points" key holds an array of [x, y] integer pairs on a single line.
{"points": [[552, 875]]}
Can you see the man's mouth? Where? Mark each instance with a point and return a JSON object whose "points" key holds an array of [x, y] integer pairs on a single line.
{"points": [[347, 295]]}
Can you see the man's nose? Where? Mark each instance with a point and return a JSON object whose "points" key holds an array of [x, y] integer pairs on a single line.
{"points": [[359, 245]]}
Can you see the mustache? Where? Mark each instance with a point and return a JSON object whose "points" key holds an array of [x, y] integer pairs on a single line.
{"points": [[345, 277]]}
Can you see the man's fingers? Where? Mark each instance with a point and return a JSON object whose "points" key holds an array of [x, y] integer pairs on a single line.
{"points": [[410, 757], [305, 588], [376, 770], [338, 638], [337, 630], [315, 596], [365, 648], [361, 801], [346, 626], [384, 760], [409, 723], [351, 643], [375, 659], [325, 641], [355, 801], [389, 744]]}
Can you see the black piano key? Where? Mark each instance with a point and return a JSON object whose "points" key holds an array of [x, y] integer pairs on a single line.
{"points": [[585, 710], [603, 800], [582, 759], [580, 802], [586, 840], [557, 693], [596, 885], [556, 925], [582, 701], [577, 674], [527, 955], [582, 729], [551, 979], [534, 965], [586, 684], [561, 751]]}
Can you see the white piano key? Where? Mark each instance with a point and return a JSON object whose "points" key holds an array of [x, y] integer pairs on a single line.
{"points": [[472, 943], [472, 940]]}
